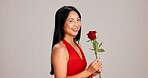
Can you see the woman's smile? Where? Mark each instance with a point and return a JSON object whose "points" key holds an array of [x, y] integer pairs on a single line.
{"points": [[75, 29]]}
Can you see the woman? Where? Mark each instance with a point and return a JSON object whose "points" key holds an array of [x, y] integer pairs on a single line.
{"points": [[67, 58]]}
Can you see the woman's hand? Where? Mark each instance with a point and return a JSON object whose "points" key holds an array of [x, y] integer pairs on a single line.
{"points": [[96, 73], [95, 67], [99, 71]]}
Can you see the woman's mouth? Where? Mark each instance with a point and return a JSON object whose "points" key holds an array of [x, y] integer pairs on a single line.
{"points": [[75, 29]]}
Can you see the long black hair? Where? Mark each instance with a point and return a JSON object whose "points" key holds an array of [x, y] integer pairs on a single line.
{"points": [[60, 17]]}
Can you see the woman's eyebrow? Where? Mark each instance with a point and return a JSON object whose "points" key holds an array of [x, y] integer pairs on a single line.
{"points": [[70, 19], [73, 18]]}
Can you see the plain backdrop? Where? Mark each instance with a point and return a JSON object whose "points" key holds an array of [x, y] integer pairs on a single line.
{"points": [[26, 30]]}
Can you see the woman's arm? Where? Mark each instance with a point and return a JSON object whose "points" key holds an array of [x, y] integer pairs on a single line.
{"points": [[59, 59]]}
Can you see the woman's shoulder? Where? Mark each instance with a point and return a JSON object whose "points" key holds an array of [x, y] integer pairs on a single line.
{"points": [[59, 49], [59, 46]]}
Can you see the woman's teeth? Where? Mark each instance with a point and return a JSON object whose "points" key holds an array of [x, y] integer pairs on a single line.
{"points": [[75, 29]]}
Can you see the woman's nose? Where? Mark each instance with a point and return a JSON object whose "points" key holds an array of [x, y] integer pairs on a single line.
{"points": [[76, 24]]}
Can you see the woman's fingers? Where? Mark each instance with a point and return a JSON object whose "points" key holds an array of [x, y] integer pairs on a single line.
{"points": [[96, 65], [100, 67], [95, 61]]}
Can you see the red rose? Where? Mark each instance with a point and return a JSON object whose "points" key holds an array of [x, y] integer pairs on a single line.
{"points": [[92, 35]]}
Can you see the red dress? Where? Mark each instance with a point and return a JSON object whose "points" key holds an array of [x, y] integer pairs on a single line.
{"points": [[75, 64]]}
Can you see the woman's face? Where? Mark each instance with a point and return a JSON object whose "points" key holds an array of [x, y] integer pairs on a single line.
{"points": [[72, 24]]}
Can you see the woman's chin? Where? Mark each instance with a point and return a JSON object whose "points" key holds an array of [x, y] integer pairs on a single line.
{"points": [[75, 34]]}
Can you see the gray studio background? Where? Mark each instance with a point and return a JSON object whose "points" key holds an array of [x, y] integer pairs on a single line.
{"points": [[26, 29]]}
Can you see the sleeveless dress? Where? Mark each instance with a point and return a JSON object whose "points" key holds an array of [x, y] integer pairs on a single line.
{"points": [[75, 64]]}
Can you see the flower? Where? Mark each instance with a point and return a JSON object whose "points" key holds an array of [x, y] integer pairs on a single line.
{"points": [[96, 44], [92, 35]]}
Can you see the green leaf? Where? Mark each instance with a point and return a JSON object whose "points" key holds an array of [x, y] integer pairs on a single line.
{"points": [[95, 45], [88, 40], [91, 49], [100, 44], [100, 50]]}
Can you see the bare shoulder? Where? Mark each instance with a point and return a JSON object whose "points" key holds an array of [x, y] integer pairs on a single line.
{"points": [[59, 46], [59, 50]]}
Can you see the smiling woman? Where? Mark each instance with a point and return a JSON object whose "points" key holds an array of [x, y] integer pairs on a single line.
{"points": [[67, 57], [72, 24]]}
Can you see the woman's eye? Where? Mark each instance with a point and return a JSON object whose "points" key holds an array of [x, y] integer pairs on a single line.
{"points": [[71, 21]]}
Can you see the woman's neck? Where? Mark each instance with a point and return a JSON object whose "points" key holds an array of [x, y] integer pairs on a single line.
{"points": [[69, 39]]}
